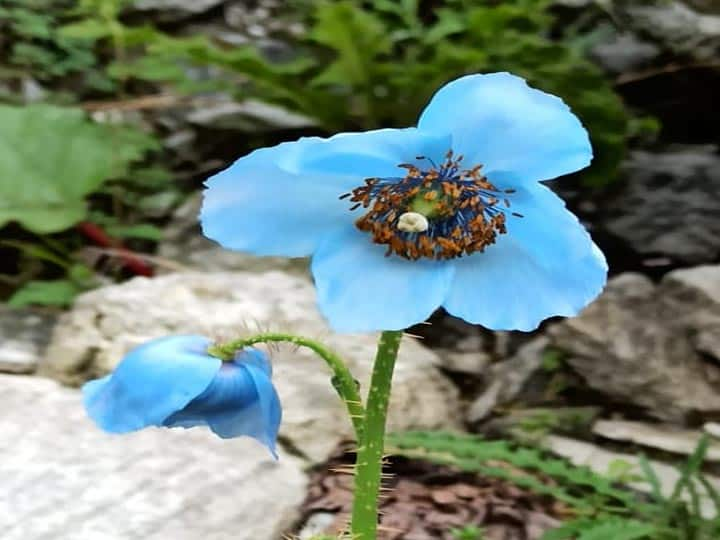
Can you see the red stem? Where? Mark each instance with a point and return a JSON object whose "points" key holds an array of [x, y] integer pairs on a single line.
{"points": [[131, 261]]}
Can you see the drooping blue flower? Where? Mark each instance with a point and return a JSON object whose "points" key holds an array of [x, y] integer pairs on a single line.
{"points": [[449, 213], [174, 382]]}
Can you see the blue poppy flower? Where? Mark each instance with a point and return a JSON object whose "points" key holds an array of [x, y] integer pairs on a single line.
{"points": [[174, 382], [449, 213]]}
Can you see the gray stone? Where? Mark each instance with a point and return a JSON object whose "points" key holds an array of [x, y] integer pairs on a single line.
{"points": [[668, 204], [24, 334], [673, 24], [647, 345], [666, 438], [624, 52], [104, 324], [170, 10], [184, 243], [249, 116], [63, 479], [693, 295], [32, 91], [469, 363], [601, 461], [506, 379], [264, 18], [575, 3]]}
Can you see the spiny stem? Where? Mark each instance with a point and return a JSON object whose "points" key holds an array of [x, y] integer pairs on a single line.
{"points": [[342, 379], [370, 453]]}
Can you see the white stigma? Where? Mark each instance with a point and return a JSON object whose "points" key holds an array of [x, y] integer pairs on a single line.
{"points": [[413, 222]]}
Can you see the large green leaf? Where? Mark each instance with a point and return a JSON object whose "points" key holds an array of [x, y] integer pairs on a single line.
{"points": [[51, 158]]}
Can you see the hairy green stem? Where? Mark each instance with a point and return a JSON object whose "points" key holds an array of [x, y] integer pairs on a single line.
{"points": [[368, 467], [342, 380]]}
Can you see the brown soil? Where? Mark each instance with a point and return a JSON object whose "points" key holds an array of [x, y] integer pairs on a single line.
{"points": [[424, 501]]}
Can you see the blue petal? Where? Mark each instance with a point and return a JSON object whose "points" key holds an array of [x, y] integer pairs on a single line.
{"points": [[283, 200], [498, 121], [241, 400], [256, 357], [545, 265], [151, 382], [374, 153], [547, 229], [361, 290], [270, 408]]}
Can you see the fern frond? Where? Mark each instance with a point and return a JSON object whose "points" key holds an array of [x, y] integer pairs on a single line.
{"points": [[475, 454]]}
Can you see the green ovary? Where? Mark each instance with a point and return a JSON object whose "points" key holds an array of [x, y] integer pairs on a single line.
{"points": [[429, 209]]}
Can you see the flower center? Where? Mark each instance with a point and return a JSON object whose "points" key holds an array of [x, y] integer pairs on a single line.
{"points": [[436, 213]]}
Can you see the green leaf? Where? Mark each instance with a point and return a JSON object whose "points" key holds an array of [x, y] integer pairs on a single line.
{"points": [[651, 477], [59, 293], [30, 24], [568, 530], [619, 529], [36, 251], [91, 29], [449, 22], [711, 491], [602, 528], [357, 37], [691, 469], [51, 158], [81, 275]]}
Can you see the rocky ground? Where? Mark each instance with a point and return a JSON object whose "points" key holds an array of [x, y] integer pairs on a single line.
{"points": [[638, 370], [642, 359]]}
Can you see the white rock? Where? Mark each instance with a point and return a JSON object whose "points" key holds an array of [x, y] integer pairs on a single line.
{"points": [[63, 479], [677, 441], [104, 324], [712, 429], [317, 524]]}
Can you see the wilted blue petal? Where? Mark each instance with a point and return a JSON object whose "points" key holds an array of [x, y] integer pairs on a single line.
{"points": [[500, 122], [257, 358], [283, 200], [360, 290], [241, 400], [151, 382]]}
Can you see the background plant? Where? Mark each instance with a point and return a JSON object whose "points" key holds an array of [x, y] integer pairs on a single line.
{"points": [[360, 65], [604, 509], [365, 65]]}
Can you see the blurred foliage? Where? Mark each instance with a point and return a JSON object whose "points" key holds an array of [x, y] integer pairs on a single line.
{"points": [[602, 509], [31, 41], [360, 64], [364, 65], [51, 158]]}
